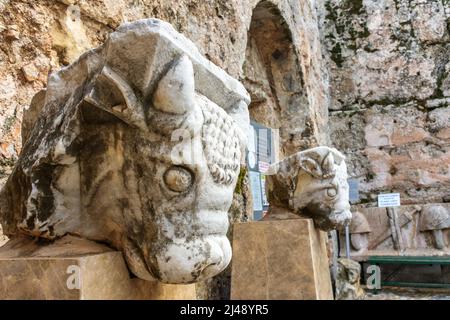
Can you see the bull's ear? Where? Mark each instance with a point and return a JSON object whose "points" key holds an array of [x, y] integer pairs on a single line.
{"points": [[176, 90], [112, 93], [311, 166]]}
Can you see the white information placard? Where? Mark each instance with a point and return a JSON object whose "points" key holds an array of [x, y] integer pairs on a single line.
{"points": [[389, 200], [255, 183]]}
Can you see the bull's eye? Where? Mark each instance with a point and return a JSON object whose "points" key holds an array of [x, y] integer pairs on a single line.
{"points": [[178, 179], [331, 192]]}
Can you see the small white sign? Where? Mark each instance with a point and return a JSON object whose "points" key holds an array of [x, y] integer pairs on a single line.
{"points": [[389, 200], [255, 183], [252, 159]]}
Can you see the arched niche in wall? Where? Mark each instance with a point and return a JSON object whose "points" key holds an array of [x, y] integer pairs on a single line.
{"points": [[273, 76]]}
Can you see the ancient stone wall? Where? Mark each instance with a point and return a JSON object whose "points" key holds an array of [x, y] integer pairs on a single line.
{"points": [[390, 91]]}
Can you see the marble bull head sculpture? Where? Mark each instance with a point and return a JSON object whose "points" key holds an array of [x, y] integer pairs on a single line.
{"points": [[312, 183], [137, 144]]}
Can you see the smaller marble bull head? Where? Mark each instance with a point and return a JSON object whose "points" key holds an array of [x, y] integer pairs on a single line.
{"points": [[312, 183]]}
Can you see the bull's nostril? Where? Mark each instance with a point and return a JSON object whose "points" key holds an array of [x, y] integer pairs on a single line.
{"points": [[209, 269]]}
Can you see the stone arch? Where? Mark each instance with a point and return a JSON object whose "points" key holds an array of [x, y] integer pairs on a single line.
{"points": [[273, 76]]}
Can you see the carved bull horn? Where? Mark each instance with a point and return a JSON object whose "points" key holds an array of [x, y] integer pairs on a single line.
{"points": [[317, 161], [320, 161], [175, 91], [112, 93], [327, 166]]}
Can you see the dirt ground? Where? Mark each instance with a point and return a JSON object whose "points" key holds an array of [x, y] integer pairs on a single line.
{"points": [[395, 293]]}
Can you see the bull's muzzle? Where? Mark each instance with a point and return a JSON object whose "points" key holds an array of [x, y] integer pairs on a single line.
{"points": [[193, 260], [340, 219]]}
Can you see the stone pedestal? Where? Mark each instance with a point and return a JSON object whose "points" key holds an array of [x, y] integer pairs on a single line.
{"points": [[280, 259], [75, 269]]}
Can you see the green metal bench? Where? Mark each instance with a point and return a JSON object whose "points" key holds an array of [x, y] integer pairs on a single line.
{"points": [[411, 260]]}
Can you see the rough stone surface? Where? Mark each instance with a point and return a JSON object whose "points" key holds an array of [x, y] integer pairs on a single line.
{"points": [[274, 77], [348, 285], [313, 184], [136, 145], [401, 148], [280, 259], [389, 80]]}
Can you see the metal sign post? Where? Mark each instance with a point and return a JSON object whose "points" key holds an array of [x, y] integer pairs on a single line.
{"points": [[347, 241]]}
